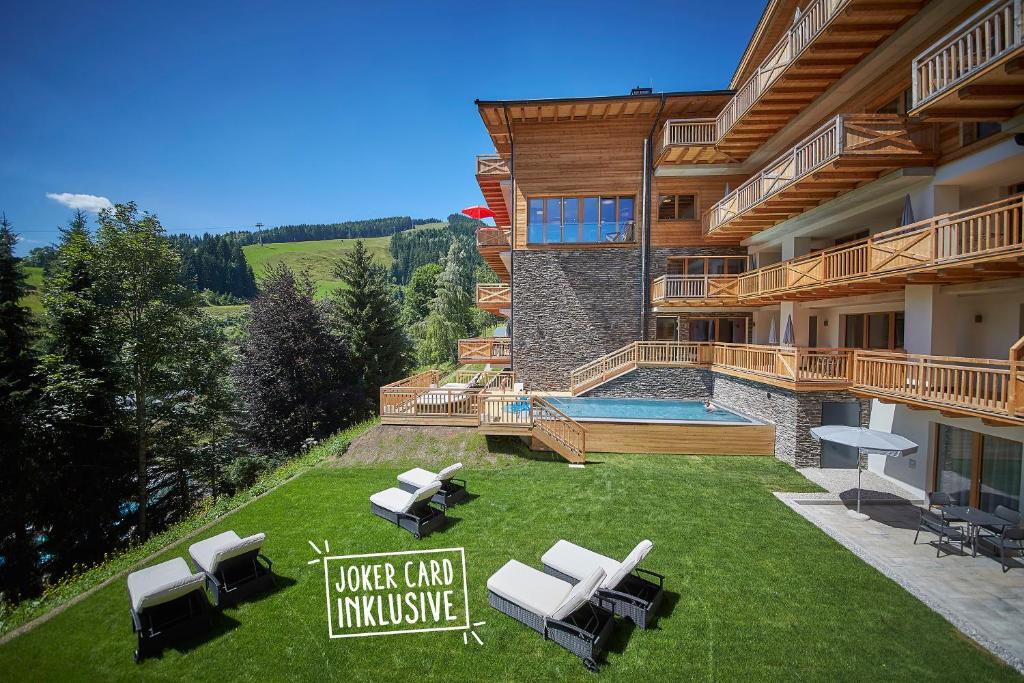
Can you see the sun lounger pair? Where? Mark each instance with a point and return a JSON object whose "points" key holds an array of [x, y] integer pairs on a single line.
{"points": [[168, 600], [574, 600], [419, 501]]}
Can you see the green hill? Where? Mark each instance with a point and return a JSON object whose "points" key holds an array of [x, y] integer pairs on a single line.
{"points": [[318, 257], [35, 281]]}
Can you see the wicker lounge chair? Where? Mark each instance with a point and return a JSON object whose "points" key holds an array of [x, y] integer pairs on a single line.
{"points": [[554, 608], [632, 596], [414, 512], [452, 490], [167, 602], [234, 567]]}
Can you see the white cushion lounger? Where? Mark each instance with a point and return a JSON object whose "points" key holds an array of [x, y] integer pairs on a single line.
{"points": [[452, 490], [233, 566], [634, 597], [559, 610], [166, 599], [411, 510]]}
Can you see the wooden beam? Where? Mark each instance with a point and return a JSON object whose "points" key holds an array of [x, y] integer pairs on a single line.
{"points": [[990, 91]]}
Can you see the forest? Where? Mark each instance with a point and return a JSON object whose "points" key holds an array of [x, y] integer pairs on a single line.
{"points": [[124, 406]]}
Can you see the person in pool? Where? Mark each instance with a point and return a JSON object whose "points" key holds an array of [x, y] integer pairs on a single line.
{"points": [[709, 406]]}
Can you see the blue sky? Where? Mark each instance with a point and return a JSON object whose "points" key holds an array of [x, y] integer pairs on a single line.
{"points": [[216, 115]]}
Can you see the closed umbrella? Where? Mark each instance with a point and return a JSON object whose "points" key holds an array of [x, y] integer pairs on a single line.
{"points": [[866, 441], [773, 334], [788, 338], [908, 212]]}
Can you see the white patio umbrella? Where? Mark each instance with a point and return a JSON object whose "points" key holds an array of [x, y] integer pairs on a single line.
{"points": [[866, 441], [773, 334]]}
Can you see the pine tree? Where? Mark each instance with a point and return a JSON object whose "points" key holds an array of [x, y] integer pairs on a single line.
{"points": [[366, 314], [419, 292], [293, 374], [451, 316], [17, 393]]}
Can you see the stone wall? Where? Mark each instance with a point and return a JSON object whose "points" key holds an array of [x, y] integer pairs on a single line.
{"points": [[570, 306], [684, 384]]}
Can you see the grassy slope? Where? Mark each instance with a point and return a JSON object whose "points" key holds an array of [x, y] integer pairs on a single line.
{"points": [[35, 281], [757, 592], [318, 257]]}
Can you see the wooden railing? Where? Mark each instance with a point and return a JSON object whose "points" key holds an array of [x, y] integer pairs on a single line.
{"points": [[977, 385], [507, 410], [559, 431], [689, 132], [639, 354], [851, 134], [801, 365], [492, 237], [983, 232], [494, 295], [485, 350], [425, 394], [491, 164], [805, 29], [991, 33]]}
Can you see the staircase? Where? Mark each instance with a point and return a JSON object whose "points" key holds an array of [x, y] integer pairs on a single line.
{"points": [[638, 354], [516, 415]]}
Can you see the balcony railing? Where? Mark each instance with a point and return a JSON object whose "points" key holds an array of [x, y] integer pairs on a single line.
{"points": [[492, 237], [425, 397], [990, 34], [882, 137], [491, 164], [801, 366], [493, 296], [989, 232], [690, 132], [485, 350], [805, 29]]}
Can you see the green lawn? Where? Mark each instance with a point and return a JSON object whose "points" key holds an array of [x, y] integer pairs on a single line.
{"points": [[35, 281], [757, 592], [319, 257]]}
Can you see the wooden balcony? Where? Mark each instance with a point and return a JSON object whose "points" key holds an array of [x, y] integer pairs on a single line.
{"points": [[842, 154], [827, 39], [492, 242], [494, 298], [976, 71], [690, 141], [982, 243], [798, 368], [496, 350], [428, 398], [491, 171]]}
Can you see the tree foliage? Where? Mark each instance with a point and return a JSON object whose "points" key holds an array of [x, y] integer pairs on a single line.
{"points": [[216, 263], [451, 316], [415, 248]]}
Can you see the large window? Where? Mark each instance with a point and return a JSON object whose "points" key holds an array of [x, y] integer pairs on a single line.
{"points": [[580, 220], [978, 469], [706, 265], [677, 207], [726, 330], [874, 330]]}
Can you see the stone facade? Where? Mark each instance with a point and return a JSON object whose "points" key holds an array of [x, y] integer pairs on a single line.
{"points": [[570, 306], [684, 384], [792, 412]]}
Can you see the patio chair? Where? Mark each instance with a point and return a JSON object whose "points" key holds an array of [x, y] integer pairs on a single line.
{"points": [[234, 567], [939, 500], [632, 596], [413, 511], [1007, 542], [452, 490], [556, 609], [937, 524], [167, 602]]}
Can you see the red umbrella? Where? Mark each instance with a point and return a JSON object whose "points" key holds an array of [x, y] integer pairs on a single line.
{"points": [[478, 212]]}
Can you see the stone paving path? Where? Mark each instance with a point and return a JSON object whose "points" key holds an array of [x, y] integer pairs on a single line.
{"points": [[841, 485], [972, 593]]}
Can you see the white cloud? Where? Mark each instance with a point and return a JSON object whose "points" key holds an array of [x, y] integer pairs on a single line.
{"points": [[88, 202]]}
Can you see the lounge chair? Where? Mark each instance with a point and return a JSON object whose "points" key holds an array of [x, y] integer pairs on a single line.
{"points": [[554, 608], [941, 527], [167, 602], [631, 595], [412, 511], [1007, 542], [234, 567], [452, 490]]}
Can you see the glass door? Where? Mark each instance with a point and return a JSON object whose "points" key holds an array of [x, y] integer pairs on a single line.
{"points": [[955, 463], [978, 469]]}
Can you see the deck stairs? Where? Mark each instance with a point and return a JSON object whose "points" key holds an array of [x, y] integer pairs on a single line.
{"points": [[638, 354], [536, 417]]}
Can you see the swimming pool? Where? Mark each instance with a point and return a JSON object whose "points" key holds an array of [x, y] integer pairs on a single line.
{"points": [[642, 410]]}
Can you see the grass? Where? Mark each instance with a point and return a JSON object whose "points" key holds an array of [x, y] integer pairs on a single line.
{"points": [[319, 257], [757, 592], [35, 281], [222, 312]]}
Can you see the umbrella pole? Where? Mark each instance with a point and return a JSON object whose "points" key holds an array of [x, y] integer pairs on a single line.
{"points": [[858, 482]]}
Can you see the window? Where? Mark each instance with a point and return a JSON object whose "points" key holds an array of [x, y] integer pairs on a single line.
{"points": [[725, 330], [706, 265], [677, 207], [579, 220], [666, 328], [874, 330], [978, 130], [978, 469]]}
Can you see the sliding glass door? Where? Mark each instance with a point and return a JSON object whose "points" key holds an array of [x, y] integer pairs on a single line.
{"points": [[978, 469]]}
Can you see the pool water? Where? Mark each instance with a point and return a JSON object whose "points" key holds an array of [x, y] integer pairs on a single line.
{"points": [[642, 410]]}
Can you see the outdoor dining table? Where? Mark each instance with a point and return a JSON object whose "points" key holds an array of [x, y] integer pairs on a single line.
{"points": [[975, 519]]}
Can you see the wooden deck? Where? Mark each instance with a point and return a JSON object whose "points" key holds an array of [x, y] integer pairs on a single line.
{"points": [[494, 298], [840, 155], [976, 71], [990, 389], [982, 243]]}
